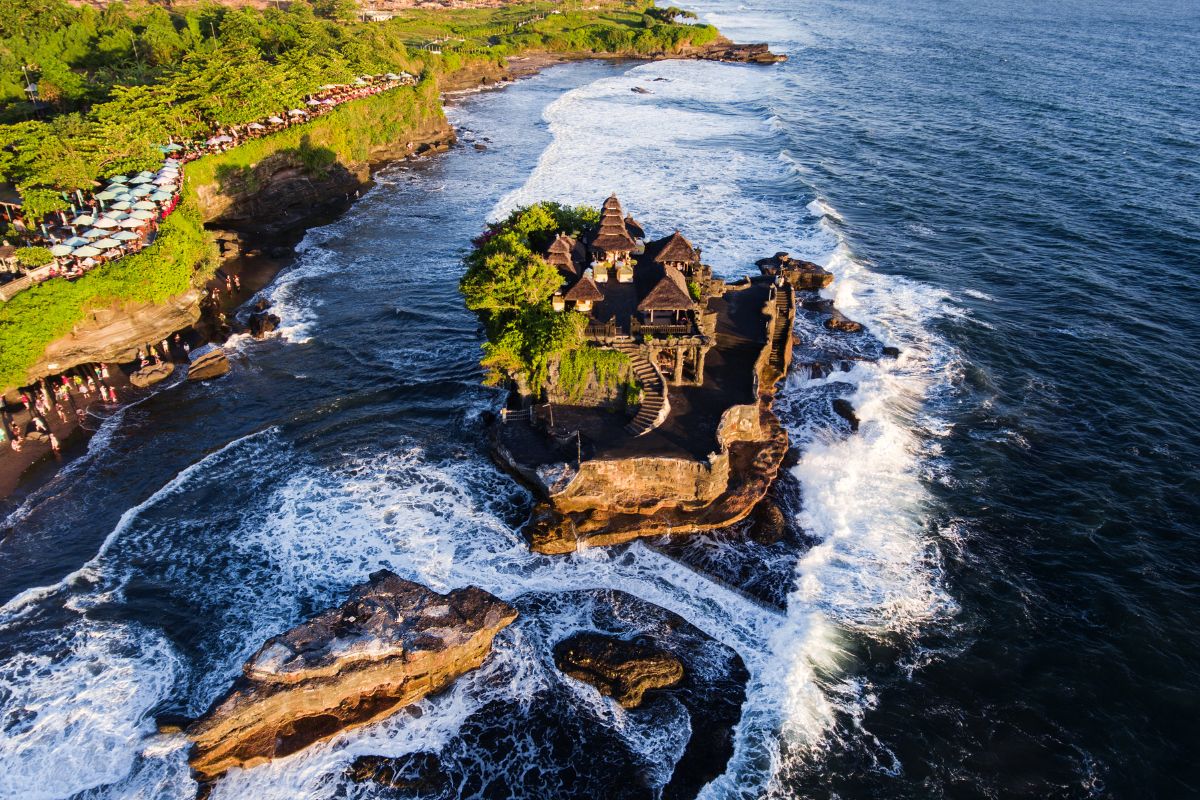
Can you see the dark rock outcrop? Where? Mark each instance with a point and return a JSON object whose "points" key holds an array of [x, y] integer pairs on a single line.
{"points": [[891, 352], [391, 644], [840, 322], [846, 411], [799, 273], [261, 323], [741, 53], [768, 523], [620, 669]]}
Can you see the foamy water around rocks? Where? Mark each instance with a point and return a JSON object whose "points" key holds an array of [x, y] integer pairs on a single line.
{"points": [[208, 518]]}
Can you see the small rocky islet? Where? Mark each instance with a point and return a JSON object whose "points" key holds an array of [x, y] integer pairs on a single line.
{"points": [[689, 345]]}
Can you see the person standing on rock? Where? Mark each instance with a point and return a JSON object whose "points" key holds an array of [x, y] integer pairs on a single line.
{"points": [[54, 445]]}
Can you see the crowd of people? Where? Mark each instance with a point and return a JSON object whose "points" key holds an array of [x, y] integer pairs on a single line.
{"points": [[65, 400]]}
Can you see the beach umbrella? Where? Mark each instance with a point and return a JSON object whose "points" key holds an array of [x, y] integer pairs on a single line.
{"points": [[142, 191], [225, 138], [144, 205], [140, 179], [165, 179], [76, 241], [106, 243], [173, 148], [125, 236], [213, 142], [105, 222], [314, 102], [131, 223], [121, 205], [256, 126], [275, 121], [295, 112], [115, 214], [88, 262], [142, 215], [94, 233], [86, 251], [60, 250], [145, 174], [159, 197], [117, 179], [107, 194], [84, 219], [331, 102]]}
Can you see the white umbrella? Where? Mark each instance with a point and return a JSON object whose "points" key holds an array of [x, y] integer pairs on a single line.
{"points": [[295, 112], [140, 179], [145, 174], [115, 215], [172, 147], [107, 194], [94, 233], [331, 102], [131, 223], [171, 162], [165, 179], [118, 179], [159, 197], [60, 250], [144, 205], [120, 205], [75, 241], [314, 102], [275, 121], [256, 126], [125, 236], [225, 139], [88, 262], [84, 219], [142, 215], [106, 243], [142, 191], [85, 252], [104, 222]]}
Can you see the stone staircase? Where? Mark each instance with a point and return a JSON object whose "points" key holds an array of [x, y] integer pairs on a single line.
{"points": [[655, 406], [779, 337]]}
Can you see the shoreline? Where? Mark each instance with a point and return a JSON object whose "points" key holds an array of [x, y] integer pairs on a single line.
{"points": [[25, 472]]}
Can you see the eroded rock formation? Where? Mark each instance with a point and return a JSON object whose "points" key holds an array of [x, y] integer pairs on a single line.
{"points": [[208, 365], [150, 375], [391, 644], [620, 669]]}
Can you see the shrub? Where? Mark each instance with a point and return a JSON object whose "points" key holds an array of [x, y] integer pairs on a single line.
{"points": [[32, 257]]}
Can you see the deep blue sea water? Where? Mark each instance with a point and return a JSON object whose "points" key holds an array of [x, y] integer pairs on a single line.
{"points": [[994, 591]]}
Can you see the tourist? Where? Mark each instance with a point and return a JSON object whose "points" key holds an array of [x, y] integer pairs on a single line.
{"points": [[54, 444], [237, 282], [104, 371], [16, 442], [40, 424]]}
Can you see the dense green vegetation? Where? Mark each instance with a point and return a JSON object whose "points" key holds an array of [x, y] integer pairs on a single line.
{"points": [[39, 315], [509, 285], [577, 367], [115, 83]]}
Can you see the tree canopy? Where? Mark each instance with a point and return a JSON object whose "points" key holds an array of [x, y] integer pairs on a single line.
{"points": [[509, 285]]}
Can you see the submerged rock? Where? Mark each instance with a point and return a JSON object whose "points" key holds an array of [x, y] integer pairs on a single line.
{"points": [[799, 273], [261, 323], [392, 643], [413, 772], [845, 410], [208, 365], [620, 669]]}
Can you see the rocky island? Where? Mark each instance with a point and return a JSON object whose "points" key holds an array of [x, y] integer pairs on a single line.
{"points": [[391, 644], [640, 384]]}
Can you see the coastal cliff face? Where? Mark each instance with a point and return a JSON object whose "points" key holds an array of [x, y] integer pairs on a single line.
{"points": [[289, 189], [392, 643], [114, 334]]}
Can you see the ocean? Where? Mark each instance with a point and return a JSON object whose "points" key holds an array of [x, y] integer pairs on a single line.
{"points": [[990, 587]]}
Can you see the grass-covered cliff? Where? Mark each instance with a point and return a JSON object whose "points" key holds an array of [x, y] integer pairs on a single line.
{"points": [[120, 81]]}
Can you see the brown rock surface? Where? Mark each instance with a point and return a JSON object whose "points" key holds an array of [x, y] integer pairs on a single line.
{"points": [[840, 322], [114, 335], [148, 376], [208, 365], [799, 273], [391, 644], [619, 669]]}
